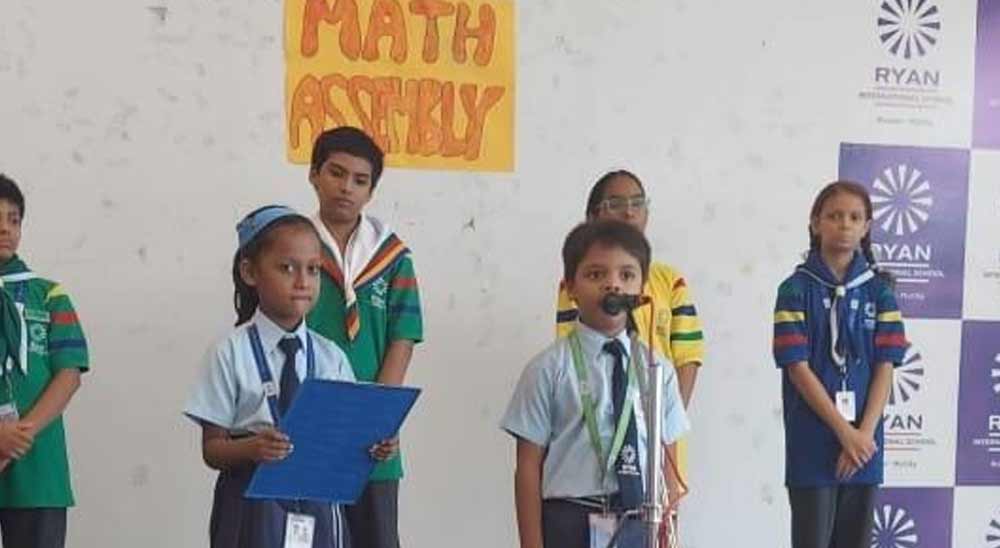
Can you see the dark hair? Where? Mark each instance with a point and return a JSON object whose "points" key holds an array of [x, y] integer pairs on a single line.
{"points": [[858, 191], [351, 140], [610, 233], [245, 298], [9, 191], [597, 191]]}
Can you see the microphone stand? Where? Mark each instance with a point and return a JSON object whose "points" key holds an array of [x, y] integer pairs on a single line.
{"points": [[651, 512], [652, 509]]}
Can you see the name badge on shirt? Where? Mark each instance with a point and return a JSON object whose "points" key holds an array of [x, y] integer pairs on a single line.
{"points": [[32, 315], [299, 529], [845, 405], [602, 529], [8, 413]]}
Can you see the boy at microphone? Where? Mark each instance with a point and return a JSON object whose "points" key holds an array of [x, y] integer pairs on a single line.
{"points": [[576, 413]]}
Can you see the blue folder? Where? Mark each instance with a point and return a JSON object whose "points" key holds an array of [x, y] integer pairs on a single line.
{"points": [[332, 426]]}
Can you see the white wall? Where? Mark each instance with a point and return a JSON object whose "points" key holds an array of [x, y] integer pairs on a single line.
{"points": [[140, 142]]}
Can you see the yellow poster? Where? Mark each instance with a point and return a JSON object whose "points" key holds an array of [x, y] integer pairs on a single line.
{"points": [[431, 81]]}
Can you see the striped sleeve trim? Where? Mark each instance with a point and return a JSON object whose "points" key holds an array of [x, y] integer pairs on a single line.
{"points": [[890, 340], [565, 316], [56, 291], [403, 308], [793, 339], [687, 310], [890, 316], [890, 327], [679, 331], [404, 283], [692, 336], [67, 344], [789, 329], [684, 324], [790, 348], [64, 318], [890, 335], [789, 316], [890, 343]]}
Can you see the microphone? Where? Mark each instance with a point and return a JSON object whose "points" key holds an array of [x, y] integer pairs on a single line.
{"points": [[615, 303]]}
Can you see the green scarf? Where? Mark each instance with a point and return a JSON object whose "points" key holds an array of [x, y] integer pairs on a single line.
{"points": [[10, 318]]}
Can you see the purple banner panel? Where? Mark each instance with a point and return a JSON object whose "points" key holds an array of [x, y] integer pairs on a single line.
{"points": [[920, 204], [977, 461], [913, 518], [986, 114]]}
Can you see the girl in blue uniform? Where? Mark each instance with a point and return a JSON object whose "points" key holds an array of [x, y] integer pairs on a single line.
{"points": [[252, 376], [838, 334]]}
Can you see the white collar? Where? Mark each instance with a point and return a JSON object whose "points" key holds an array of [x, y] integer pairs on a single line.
{"points": [[593, 341], [361, 247], [272, 333]]}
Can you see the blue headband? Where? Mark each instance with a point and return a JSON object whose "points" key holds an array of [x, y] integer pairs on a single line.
{"points": [[254, 223]]}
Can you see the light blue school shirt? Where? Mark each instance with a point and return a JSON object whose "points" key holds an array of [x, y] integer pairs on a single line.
{"points": [[230, 394], [546, 410]]}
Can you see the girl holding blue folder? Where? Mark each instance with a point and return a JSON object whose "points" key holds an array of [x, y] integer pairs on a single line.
{"points": [[251, 378]]}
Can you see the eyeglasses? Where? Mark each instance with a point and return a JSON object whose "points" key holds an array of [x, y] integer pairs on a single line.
{"points": [[620, 204]]}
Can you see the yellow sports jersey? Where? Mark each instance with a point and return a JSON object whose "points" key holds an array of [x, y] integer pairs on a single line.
{"points": [[678, 333]]}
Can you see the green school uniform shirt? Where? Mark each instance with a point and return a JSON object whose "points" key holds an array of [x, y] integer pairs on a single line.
{"points": [[388, 309], [55, 342]]}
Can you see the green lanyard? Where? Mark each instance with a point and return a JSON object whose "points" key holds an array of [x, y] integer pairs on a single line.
{"points": [[589, 408]]}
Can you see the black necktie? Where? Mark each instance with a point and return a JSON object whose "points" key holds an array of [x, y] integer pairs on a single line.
{"points": [[627, 464], [289, 383]]}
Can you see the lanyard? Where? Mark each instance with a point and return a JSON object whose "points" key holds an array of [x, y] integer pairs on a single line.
{"points": [[270, 389], [590, 412]]}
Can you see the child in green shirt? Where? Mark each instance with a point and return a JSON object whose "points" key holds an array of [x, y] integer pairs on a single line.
{"points": [[42, 354], [368, 304]]}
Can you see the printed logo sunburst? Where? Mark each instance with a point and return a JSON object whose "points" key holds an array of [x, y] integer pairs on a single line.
{"points": [[908, 377], [902, 200], [894, 528], [909, 28]]}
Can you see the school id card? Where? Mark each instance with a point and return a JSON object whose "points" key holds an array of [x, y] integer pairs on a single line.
{"points": [[8, 413], [846, 405], [602, 529], [299, 530]]}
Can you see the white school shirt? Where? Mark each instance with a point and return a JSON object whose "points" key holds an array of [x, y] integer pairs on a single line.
{"points": [[547, 411], [230, 394]]}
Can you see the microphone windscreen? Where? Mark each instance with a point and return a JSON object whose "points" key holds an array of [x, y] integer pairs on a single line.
{"points": [[612, 304]]}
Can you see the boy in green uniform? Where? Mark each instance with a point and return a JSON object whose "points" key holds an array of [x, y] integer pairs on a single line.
{"points": [[42, 354], [368, 302]]}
